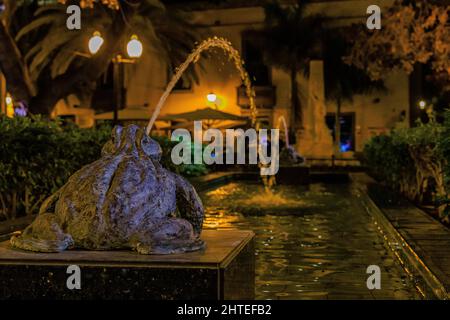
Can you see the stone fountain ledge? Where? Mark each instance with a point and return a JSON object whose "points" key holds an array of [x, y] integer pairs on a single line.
{"points": [[224, 270], [420, 242]]}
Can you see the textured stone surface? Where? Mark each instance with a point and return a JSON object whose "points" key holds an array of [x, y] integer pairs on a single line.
{"points": [[124, 200], [225, 269]]}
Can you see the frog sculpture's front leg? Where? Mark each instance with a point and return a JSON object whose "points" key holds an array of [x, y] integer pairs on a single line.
{"points": [[189, 204], [181, 234], [45, 233]]}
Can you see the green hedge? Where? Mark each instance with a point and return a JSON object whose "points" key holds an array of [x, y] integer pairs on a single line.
{"points": [[414, 162], [37, 156]]}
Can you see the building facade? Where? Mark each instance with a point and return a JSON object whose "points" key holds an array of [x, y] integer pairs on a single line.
{"points": [[239, 21], [365, 116]]}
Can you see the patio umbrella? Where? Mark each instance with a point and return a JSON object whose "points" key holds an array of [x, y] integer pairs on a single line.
{"points": [[223, 125], [202, 114]]}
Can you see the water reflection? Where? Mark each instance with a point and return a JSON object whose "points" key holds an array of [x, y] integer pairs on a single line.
{"points": [[311, 243]]}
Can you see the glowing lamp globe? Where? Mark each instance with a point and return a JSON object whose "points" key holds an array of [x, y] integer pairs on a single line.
{"points": [[95, 43], [422, 104], [134, 47], [211, 97], [8, 100]]}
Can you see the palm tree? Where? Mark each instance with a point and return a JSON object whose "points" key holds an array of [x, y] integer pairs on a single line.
{"points": [[11, 62], [52, 53], [291, 40], [342, 81]]}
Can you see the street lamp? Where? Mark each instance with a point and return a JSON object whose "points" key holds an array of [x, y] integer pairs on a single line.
{"points": [[95, 43], [134, 50], [429, 109], [211, 97], [134, 47], [9, 106]]}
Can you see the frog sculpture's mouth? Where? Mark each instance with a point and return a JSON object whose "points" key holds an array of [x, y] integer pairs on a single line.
{"points": [[124, 200]]}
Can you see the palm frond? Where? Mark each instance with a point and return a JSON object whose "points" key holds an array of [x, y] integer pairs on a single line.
{"points": [[50, 19], [51, 53]]}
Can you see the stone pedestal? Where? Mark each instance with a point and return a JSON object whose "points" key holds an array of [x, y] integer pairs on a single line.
{"points": [[315, 140], [224, 270]]}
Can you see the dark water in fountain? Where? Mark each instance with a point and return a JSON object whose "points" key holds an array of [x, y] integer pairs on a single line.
{"points": [[312, 242]]}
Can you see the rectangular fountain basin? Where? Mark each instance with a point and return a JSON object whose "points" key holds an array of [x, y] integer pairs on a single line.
{"points": [[224, 270]]}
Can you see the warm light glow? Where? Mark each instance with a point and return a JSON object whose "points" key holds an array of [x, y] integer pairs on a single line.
{"points": [[422, 104], [95, 43], [9, 106], [211, 97], [134, 47]]}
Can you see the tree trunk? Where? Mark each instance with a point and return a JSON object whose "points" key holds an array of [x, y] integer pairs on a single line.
{"points": [[18, 80], [337, 128], [296, 116]]}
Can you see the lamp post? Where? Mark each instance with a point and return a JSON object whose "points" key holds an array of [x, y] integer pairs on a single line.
{"points": [[428, 108], [9, 103], [134, 51]]}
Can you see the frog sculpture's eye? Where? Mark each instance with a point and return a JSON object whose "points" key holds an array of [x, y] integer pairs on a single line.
{"points": [[113, 145], [117, 136]]}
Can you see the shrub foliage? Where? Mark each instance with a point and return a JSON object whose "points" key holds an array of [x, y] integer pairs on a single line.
{"points": [[414, 162]]}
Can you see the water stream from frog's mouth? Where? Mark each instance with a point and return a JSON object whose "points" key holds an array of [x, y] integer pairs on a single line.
{"points": [[234, 55]]}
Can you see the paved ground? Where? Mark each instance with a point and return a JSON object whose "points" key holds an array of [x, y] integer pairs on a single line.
{"points": [[310, 244], [429, 239]]}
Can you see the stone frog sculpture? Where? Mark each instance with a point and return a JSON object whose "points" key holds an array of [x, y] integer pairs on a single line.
{"points": [[126, 199]]}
